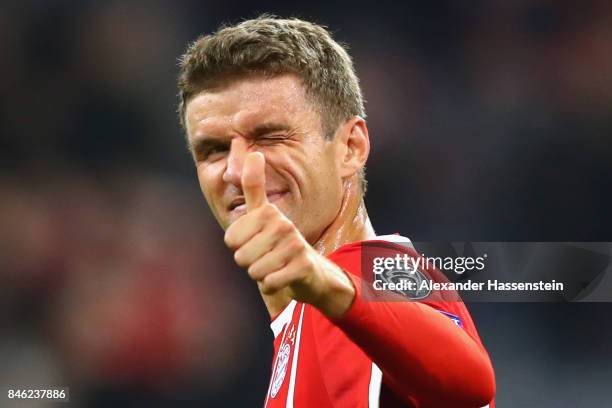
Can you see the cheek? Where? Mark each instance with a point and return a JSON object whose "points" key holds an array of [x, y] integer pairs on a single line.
{"points": [[309, 169], [326, 172], [209, 184], [285, 168]]}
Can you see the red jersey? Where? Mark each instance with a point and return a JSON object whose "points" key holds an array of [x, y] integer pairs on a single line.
{"points": [[378, 354]]}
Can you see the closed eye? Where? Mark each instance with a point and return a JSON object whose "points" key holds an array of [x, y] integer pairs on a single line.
{"points": [[270, 139]]}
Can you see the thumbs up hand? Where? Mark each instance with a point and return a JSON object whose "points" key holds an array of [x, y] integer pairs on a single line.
{"points": [[277, 256]]}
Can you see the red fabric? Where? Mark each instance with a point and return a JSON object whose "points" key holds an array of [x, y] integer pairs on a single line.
{"points": [[426, 359]]}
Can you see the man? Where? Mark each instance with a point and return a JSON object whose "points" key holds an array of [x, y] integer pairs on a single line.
{"points": [[275, 122]]}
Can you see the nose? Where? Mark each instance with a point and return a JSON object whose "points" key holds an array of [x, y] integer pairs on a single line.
{"points": [[233, 171]]}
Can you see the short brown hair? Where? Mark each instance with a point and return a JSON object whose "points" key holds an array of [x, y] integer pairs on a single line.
{"points": [[272, 46]]}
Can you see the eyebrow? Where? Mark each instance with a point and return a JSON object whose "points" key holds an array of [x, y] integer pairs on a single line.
{"points": [[268, 127]]}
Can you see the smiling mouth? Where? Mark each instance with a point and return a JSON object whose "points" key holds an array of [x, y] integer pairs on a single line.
{"points": [[238, 203]]}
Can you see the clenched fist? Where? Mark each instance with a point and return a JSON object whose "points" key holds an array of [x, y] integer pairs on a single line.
{"points": [[276, 255]]}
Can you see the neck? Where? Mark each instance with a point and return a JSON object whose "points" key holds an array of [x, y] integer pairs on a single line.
{"points": [[352, 224]]}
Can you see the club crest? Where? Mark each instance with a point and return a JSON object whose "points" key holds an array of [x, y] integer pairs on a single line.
{"points": [[416, 276], [282, 362]]}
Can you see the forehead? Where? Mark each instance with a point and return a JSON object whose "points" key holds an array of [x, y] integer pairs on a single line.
{"points": [[244, 103]]}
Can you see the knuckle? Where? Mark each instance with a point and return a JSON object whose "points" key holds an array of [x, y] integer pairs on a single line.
{"points": [[295, 245], [253, 272], [304, 262], [282, 226], [286, 225], [229, 239], [240, 258], [268, 210], [268, 286]]}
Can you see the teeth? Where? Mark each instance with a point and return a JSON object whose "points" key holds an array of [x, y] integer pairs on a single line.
{"points": [[242, 202]]}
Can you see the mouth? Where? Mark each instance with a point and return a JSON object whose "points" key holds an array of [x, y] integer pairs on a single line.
{"points": [[238, 204]]}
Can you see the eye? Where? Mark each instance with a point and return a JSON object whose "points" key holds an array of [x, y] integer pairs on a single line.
{"points": [[216, 152], [211, 152], [270, 139]]}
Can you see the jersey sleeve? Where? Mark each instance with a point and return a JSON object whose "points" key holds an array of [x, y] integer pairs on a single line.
{"points": [[430, 353]]}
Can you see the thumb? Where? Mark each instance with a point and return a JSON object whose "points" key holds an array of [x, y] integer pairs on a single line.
{"points": [[254, 181]]}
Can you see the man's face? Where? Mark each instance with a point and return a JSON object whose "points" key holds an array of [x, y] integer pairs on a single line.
{"points": [[272, 116]]}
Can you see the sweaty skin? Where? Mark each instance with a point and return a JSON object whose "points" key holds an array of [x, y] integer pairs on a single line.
{"points": [[285, 195], [352, 223]]}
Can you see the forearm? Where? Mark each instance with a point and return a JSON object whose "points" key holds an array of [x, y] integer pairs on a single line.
{"points": [[424, 356]]}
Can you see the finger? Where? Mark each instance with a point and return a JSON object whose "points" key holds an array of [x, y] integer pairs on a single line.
{"points": [[243, 229], [254, 181], [273, 260], [276, 281], [257, 247], [287, 275]]}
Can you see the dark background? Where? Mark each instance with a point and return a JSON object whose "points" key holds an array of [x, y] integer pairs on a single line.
{"points": [[489, 121]]}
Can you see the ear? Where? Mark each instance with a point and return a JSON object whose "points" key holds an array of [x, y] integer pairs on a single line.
{"points": [[353, 146]]}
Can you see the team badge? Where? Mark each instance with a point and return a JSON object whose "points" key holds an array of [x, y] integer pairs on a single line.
{"points": [[419, 290], [282, 362]]}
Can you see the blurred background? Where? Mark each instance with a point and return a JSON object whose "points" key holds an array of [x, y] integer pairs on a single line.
{"points": [[489, 121]]}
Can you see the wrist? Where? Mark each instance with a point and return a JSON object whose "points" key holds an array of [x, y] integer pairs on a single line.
{"points": [[338, 293]]}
